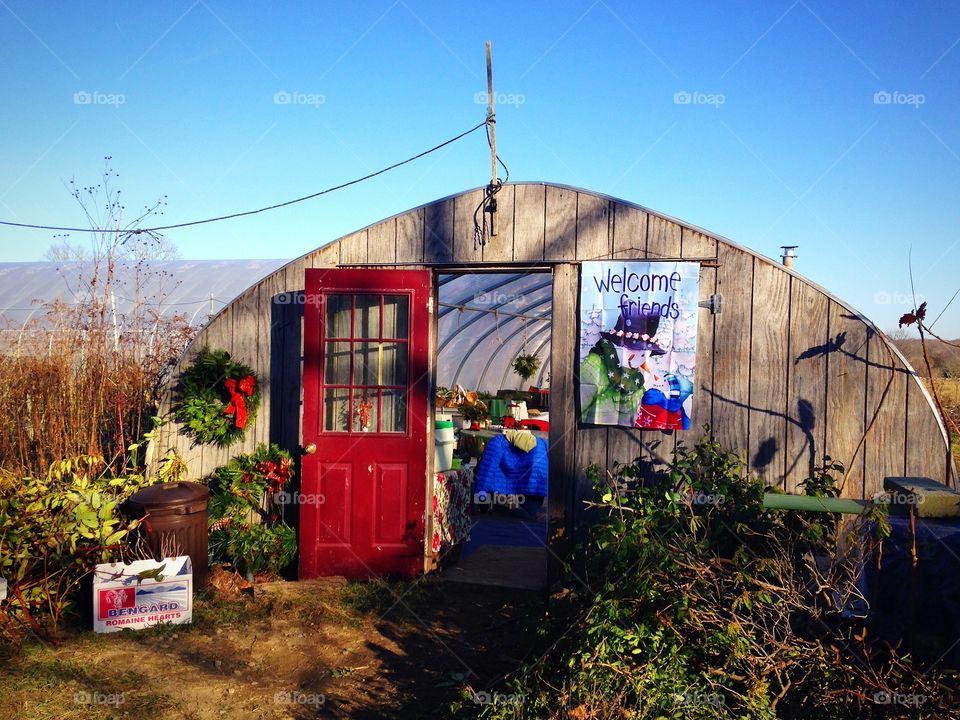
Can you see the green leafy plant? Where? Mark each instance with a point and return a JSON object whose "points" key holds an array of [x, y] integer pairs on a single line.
{"points": [[526, 365], [516, 395], [217, 398], [245, 528], [53, 531], [690, 600], [477, 412]]}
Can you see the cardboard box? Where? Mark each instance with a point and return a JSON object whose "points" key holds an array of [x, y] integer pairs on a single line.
{"points": [[142, 594]]}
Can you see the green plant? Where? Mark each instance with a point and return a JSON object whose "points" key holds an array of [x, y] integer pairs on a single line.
{"points": [[217, 397], [53, 530], [477, 412], [516, 395], [690, 600], [245, 529], [526, 365]]}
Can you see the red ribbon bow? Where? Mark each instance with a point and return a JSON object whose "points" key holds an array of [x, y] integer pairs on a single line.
{"points": [[238, 401]]}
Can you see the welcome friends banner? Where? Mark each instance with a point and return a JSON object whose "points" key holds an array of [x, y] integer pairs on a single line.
{"points": [[638, 343]]}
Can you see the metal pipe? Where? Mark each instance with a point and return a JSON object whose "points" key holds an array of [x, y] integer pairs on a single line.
{"points": [[811, 503]]}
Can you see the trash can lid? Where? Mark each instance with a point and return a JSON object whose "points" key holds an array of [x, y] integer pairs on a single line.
{"points": [[443, 424], [171, 494]]}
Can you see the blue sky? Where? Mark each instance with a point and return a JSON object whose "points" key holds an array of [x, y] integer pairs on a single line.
{"points": [[784, 140]]}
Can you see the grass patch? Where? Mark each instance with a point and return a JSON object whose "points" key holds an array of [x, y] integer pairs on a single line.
{"points": [[42, 687], [397, 599]]}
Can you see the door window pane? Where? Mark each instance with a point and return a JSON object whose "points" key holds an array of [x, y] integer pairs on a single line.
{"points": [[366, 322], [336, 363], [366, 363], [393, 408], [394, 364], [396, 316], [338, 315], [336, 409], [364, 352], [365, 411]]}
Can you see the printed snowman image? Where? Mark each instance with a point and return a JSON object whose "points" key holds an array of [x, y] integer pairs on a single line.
{"points": [[614, 374], [668, 399]]}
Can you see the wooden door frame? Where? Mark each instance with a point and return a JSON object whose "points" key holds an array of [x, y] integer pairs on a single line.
{"points": [[560, 486]]}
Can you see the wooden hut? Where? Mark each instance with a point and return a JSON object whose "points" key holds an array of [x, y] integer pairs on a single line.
{"points": [[786, 372]]}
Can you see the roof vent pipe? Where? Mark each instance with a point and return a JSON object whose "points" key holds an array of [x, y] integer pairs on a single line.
{"points": [[788, 255]]}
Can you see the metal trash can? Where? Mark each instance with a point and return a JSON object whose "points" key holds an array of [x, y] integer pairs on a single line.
{"points": [[177, 522]]}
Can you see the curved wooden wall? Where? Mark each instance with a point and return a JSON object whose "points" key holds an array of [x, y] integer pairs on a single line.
{"points": [[786, 372]]}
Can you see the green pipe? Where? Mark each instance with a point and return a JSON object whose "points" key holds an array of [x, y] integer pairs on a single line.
{"points": [[783, 501]]}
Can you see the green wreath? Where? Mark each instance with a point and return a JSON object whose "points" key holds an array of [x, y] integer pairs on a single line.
{"points": [[218, 398]]}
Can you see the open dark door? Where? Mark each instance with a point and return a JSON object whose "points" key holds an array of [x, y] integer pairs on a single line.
{"points": [[365, 407]]}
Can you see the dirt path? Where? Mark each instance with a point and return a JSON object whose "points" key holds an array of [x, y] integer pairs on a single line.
{"points": [[298, 650]]}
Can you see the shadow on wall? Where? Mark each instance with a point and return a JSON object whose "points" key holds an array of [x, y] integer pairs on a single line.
{"points": [[803, 418], [285, 381]]}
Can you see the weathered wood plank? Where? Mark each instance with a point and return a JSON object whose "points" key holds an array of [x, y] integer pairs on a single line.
{"points": [[528, 222], [694, 244], [731, 363], [886, 400], [663, 238], [410, 236], [629, 232], [466, 247], [246, 338], [769, 344], [177, 437], [560, 238], [438, 231], [593, 227], [590, 449], [623, 447], [846, 395], [219, 337], [500, 248], [593, 239], [353, 248], [382, 242], [807, 392], [563, 425], [327, 256], [927, 454]]}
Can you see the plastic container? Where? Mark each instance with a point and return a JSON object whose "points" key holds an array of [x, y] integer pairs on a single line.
{"points": [[444, 430], [177, 522], [443, 455]]}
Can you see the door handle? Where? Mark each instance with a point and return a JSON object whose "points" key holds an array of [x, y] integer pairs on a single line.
{"points": [[308, 449]]}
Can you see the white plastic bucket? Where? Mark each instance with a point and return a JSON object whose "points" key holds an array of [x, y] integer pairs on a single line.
{"points": [[444, 434], [443, 455]]}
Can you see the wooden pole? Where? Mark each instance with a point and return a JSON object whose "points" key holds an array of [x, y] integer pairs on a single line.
{"points": [[493, 141]]}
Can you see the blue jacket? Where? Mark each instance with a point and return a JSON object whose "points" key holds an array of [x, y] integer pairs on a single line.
{"points": [[505, 469]]}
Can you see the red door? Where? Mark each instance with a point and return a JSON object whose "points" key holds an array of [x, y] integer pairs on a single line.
{"points": [[365, 406]]}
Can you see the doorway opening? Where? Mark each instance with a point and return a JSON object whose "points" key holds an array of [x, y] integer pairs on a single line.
{"points": [[492, 416]]}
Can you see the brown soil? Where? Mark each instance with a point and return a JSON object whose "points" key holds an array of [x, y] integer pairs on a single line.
{"points": [[295, 650]]}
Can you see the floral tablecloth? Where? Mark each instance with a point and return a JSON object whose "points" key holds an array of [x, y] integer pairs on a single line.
{"points": [[451, 508]]}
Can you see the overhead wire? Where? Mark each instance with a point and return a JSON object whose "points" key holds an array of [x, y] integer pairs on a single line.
{"points": [[138, 231]]}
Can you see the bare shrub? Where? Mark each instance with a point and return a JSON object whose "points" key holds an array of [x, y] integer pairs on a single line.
{"points": [[83, 378]]}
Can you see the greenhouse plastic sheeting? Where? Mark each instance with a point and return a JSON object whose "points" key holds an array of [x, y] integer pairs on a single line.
{"points": [[477, 342], [193, 288]]}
